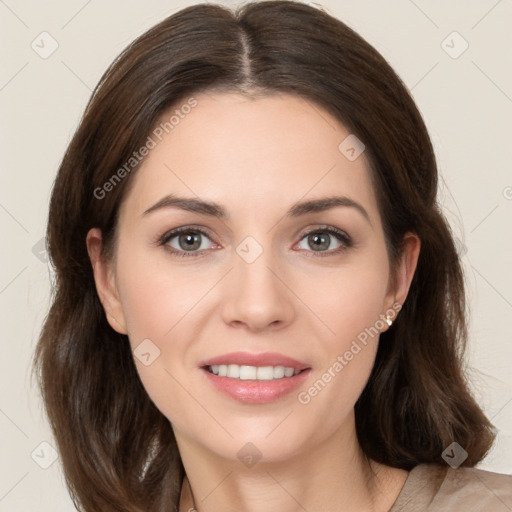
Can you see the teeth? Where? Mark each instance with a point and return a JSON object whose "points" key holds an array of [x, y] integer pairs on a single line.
{"points": [[233, 371], [288, 372], [242, 372]]}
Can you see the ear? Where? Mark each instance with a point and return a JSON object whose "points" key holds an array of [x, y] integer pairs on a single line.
{"points": [[104, 278], [399, 286]]}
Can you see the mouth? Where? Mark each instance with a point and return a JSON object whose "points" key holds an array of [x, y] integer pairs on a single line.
{"points": [[255, 378]]}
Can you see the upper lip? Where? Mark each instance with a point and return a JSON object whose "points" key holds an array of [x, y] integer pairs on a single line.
{"points": [[251, 359]]}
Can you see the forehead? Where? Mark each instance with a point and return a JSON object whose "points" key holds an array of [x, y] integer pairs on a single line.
{"points": [[250, 153]]}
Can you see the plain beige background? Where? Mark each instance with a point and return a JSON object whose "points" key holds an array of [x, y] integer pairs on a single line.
{"points": [[466, 100]]}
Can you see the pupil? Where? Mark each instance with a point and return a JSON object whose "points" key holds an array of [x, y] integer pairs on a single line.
{"points": [[319, 241], [190, 241]]}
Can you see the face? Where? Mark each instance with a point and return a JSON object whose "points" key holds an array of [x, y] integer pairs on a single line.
{"points": [[268, 284]]}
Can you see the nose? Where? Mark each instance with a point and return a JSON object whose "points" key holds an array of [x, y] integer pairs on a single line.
{"points": [[257, 294]]}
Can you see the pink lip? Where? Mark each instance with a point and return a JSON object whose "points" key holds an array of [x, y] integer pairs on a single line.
{"points": [[256, 391], [249, 359]]}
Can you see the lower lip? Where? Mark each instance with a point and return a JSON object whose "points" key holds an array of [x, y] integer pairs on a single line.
{"points": [[256, 391]]}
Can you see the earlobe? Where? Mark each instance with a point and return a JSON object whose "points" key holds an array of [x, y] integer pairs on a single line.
{"points": [[104, 278]]}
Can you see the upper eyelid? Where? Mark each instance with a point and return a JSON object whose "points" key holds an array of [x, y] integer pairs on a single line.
{"points": [[177, 231]]}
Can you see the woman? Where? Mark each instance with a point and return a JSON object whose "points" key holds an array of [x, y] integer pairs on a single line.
{"points": [[258, 301]]}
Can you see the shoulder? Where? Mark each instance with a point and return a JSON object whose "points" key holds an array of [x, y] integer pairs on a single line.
{"points": [[475, 489], [432, 488]]}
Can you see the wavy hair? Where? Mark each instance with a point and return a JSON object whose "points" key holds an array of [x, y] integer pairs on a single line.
{"points": [[117, 449]]}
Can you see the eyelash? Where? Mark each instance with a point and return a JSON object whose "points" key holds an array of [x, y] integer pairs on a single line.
{"points": [[340, 235]]}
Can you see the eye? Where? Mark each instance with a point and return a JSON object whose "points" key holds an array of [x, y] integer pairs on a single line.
{"points": [[321, 239], [189, 241], [185, 240]]}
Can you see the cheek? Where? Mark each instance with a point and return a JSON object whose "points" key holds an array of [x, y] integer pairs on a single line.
{"points": [[351, 299], [154, 296], [350, 308], [162, 308]]}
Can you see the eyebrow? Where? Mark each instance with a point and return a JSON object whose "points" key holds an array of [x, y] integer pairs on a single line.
{"points": [[191, 204]]}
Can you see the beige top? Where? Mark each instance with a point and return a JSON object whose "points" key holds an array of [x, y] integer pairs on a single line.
{"points": [[433, 488]]}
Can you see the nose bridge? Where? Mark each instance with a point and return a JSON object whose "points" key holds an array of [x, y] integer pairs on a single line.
{"points": [[253, 263], [259, 296]]}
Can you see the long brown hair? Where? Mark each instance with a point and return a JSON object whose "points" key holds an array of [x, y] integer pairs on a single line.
{"points": [[118, 451]]}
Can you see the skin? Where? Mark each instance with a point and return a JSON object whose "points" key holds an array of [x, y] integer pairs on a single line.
{"points": [[257, 157]]}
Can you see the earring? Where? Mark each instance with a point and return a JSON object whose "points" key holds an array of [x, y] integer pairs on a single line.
{"points": [[389, 321]]}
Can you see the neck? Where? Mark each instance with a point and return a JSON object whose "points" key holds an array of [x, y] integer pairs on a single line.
{"points": [[333, 476]]}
